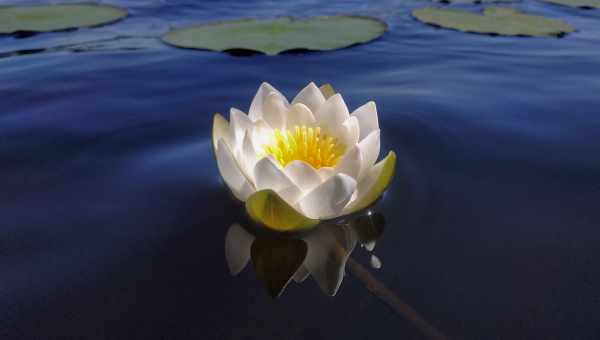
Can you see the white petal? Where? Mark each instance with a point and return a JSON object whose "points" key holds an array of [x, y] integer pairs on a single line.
{"points": [[370, 147], [311, 96], [325, 172], [351, 163], [262, 134], [237, 248], [248, 156], [275, 109], [268, 175], [304, 175], [329, 198], [220, 130], [300, 114], [332, 114], [256, 107], [367, 119], [239, 124], [364, 185], [231, 173], [351, 131]]}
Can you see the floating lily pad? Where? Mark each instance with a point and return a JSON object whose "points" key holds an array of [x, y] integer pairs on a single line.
{"points": [[49, 18], [477, 2], [586, 4], [495, 20], [279, 35]]}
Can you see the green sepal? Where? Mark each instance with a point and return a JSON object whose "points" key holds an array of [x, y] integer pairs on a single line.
{"points": [[381, 184], [270, 210]]}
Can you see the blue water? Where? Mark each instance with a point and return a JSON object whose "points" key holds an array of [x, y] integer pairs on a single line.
{"points": [[113, 216]]}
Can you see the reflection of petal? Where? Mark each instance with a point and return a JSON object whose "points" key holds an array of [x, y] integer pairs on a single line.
{"points": [[276, 260], [237, 248], [301, 274], [328, 250]]}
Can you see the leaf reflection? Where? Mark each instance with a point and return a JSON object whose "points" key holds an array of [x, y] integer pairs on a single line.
{"points": [[322, 253]]}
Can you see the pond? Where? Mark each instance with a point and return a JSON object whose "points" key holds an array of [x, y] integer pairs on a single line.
{"points": [[114, 215]]}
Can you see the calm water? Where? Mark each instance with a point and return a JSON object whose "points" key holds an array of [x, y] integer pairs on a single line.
{"points": [[113, 217]]}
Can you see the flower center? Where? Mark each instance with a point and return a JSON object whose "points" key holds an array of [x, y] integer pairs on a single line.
{"points": [[306, 144]]}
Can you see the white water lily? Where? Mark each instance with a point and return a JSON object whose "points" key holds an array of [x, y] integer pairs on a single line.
{"points": [[297, 163]]}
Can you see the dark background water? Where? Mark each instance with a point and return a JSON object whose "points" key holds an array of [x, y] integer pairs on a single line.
{"points": [[112, 215]]}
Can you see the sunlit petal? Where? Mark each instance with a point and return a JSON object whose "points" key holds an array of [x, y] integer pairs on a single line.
{"points": [[256, 107], [310, 96], [237, 248], [373, 185], [267, 175], [298, 115], [303, 175], [351, 163], [231, 173], [367, 119], [332, 114], [329, 198]]}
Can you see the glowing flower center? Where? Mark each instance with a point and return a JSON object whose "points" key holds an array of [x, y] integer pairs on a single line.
{"points": [[306, 144]]}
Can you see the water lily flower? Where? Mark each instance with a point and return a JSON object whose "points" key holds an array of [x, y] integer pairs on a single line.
{"points": [[296, 164]]}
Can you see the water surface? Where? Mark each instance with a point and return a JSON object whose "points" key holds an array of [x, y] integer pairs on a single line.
{"points": [[114, 218]]}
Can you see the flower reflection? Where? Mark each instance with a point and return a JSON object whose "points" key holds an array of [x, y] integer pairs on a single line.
{"points": [[322, 253]]}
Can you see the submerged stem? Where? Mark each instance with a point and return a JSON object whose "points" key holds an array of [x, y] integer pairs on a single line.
{"points": [[387, 296]]}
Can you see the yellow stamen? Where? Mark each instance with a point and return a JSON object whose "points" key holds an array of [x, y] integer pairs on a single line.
{"points": [[306, 144]]}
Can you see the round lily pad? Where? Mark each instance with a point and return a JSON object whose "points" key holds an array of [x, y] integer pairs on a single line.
{"points": [[279, 35], [586, 4], [495, 20], [477, 2], [49, 18]]}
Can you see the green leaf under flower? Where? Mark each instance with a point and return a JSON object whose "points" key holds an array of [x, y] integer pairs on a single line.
{"points": [[267, 208], [56, 17]]}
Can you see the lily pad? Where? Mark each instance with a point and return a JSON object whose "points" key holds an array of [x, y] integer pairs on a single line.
{"points": [[477, 2], [278, 35], [586, 4], [495, 20], [49, 18]]}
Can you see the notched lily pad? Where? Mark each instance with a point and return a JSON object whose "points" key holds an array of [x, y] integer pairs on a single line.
{"points": [[476, 2], [585, 4], [15, 19], [495, 20], [278, 35]]}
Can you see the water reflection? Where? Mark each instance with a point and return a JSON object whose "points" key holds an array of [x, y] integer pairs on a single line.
{"points": [[322, 253]]}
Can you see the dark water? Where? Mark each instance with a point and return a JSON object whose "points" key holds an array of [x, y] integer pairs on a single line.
{"points": [[113, 217]]}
